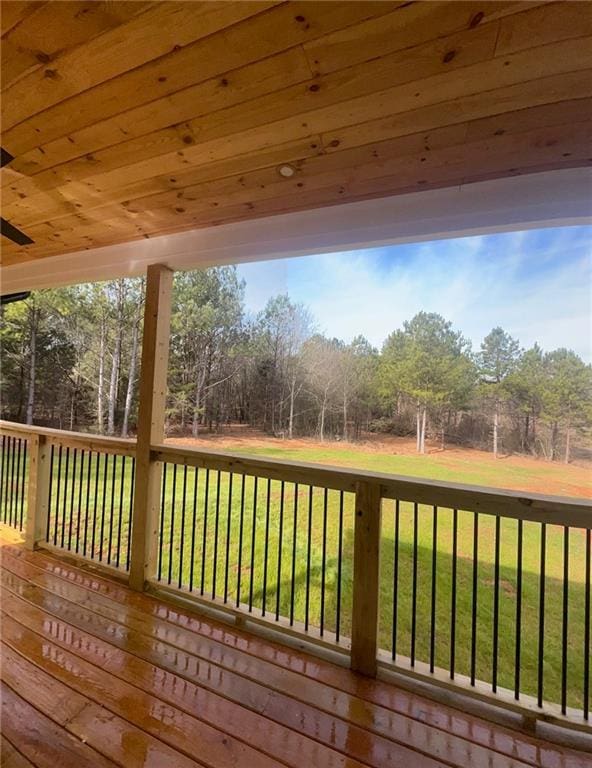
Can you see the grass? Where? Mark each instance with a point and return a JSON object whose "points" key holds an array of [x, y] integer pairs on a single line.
{"points": [[280, 552]]}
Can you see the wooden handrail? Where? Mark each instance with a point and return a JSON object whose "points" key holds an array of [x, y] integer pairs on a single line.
{"points": [[557, 510], [507, 503], [86, 440]]}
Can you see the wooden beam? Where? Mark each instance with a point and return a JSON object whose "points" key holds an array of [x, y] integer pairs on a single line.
{"points": [[153, 387], [364, 640], [37, 490]]}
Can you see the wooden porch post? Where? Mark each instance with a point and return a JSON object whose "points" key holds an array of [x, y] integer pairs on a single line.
{"points": [[151, 416], [366, 586], [37, 490]]}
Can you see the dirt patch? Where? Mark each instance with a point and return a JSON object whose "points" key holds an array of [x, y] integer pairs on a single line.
{"points": [[535, 475]]}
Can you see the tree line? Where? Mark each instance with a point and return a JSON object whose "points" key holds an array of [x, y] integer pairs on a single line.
{"points": [[70, 359]]}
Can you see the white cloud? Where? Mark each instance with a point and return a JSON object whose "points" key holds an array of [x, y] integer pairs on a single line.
{"points": [[537, 285]]}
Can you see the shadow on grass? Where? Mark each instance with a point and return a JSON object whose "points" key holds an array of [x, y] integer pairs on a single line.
{"points": [[397, 610]]}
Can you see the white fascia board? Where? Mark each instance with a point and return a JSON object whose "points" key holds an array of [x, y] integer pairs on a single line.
{"points": [[552, 198]]}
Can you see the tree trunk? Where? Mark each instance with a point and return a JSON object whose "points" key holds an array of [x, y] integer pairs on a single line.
{"points": [[116, 360], [323, 410], [495, 430], [344, 415], [101, 384], [418, 429], [423, 430], [554, 431], [113, 386], [567, 443], [72, 411], [131, 380], [291, 416], [196, 407], [32, 367]]}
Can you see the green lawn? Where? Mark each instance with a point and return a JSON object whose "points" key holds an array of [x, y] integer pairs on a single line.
{"points": [[260, 567]]}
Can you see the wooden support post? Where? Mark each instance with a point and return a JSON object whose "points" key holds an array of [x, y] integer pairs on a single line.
{"points": [[37, 490], [364, 636], [151, 417]]}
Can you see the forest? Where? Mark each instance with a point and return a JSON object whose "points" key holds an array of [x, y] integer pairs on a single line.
{"points": [[70, 359]]}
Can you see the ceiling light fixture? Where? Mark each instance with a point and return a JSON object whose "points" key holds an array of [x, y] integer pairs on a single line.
{"points": [[286, 171]]}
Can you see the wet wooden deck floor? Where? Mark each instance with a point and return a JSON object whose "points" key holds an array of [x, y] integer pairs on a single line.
{"points": [[94, 674]]}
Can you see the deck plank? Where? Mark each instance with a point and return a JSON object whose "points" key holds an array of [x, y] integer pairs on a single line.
{"points": [[40, 740], [146, 676], [108, 734], [294, 702], [291, 722], [10, 757], [181, 731]]}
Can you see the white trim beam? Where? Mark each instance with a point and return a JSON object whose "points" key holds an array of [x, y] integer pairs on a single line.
{"points": [[553, 198]]}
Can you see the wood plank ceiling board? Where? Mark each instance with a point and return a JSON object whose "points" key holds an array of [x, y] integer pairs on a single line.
{"points": [[133, 120]]}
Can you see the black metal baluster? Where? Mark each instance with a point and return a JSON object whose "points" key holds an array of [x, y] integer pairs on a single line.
{"points": [[216, 527], [15, 489], [9, 485], [87, 503], [49, 494], [12, 463], [339, 570], [414, 585], [165, 468], [587, 649], [280, 542], [130, 512], [5, 470], [80, 484], [2, 456], [95, 506], [66, 477], [172, 531], [395, 582], [518, 613], [564, 634], [323, 563], [228, 530], [496, 584], [205, 532], [23, 483], [266, 546], [541, 654], [5, 475], [475, 595], [21, 494], [433, 606], [308, 555], [57, 504], [119, 521], [193, 527], [72, 492], [293, 584], [6, 487], [112, 515], [253, 533], [453, 592], [103, 506], [240, 542], [182, 544]]}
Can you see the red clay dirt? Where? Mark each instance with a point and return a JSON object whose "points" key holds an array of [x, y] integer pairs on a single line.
{"points": [[577, 475]]}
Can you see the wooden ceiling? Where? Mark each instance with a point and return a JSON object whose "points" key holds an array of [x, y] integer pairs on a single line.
{"points": [[133, 119]]}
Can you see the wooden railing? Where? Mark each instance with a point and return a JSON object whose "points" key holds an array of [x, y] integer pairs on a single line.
{"points": [[479, 590]]}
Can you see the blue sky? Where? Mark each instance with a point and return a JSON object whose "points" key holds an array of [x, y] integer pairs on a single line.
{"points": [[536, 284]]}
